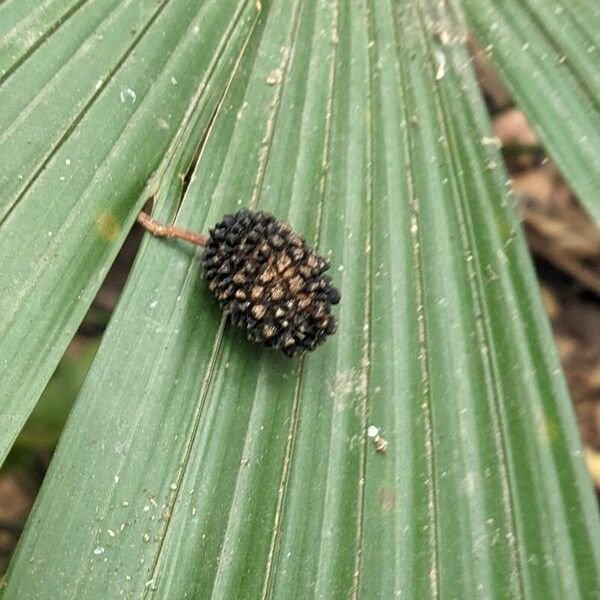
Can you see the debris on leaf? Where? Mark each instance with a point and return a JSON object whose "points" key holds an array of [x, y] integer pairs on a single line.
{"points": [[274, 77], [381, 444]]}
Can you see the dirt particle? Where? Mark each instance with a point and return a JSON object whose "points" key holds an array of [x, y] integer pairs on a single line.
{"points": [[274, 77], [381, 444]]}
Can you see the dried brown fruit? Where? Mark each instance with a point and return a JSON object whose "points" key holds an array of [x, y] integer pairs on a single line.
{"points": [[270, 282], [265, 277]]}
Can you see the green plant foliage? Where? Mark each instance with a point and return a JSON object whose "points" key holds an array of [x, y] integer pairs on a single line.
{"points": [[87, 168], [548, 51], [198, 465]]}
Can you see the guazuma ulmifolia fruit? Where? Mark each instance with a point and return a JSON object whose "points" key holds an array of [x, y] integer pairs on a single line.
{"points": [[266, 278]]}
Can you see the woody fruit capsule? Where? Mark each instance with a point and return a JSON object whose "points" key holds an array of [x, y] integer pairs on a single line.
{"points": [[268, 280]]}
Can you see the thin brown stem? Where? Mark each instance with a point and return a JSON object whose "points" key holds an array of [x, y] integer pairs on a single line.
{"points": [[160, 230]]}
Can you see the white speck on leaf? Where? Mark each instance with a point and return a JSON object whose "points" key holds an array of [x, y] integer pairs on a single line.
{"points": [[441, 61], [373, 431], [492, 141], [274, 77], [128, 93]]}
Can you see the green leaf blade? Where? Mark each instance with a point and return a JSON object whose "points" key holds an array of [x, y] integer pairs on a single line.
{"points": [[549, 59], [32, 23], [215, 468], [58, 258]]}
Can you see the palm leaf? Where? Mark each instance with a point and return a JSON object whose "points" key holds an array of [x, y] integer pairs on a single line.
{"points": [[198, 465], [64, 221], [549, 52]]}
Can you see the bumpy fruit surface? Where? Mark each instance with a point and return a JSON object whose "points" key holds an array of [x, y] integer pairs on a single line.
{"points": [[270, 282]]}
